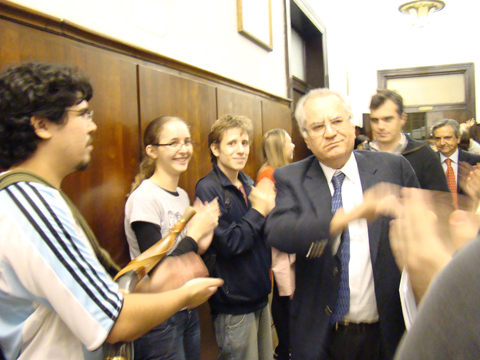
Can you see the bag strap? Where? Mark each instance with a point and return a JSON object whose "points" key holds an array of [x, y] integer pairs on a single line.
{"points": [[226, 195], [14, 176]]}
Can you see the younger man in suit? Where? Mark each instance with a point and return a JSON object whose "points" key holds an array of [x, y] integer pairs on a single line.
{"points": [[346, 304]]}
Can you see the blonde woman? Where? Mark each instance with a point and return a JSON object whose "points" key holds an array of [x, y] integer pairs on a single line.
{"points": [[278, 151]]}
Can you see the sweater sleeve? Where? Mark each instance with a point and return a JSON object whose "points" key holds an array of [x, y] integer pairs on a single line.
{"points": [[149, 234]]}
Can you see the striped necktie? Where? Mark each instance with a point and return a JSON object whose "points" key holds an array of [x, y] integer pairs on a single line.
{"points": [[343, 301]]}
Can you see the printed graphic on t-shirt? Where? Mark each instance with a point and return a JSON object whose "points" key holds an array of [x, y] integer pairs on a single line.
{"points": [[173, 218]]}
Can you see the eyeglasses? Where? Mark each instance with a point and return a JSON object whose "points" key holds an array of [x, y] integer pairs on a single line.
{"points": [[85, 113], [318, 129], [177, 144]]}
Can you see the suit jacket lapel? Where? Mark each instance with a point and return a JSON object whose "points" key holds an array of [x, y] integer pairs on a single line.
{"points": [[318, 193], [316, 188], [367, 170]]}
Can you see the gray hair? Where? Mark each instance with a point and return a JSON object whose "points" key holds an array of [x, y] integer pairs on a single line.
{"points": [[447, 122], [312, 94]]}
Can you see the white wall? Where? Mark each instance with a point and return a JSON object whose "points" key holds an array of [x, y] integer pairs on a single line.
{"points": [[362, 37], [202, 33], [370, 35]]}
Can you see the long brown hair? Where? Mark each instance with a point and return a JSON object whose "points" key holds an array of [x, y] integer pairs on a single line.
{"points": [[273, 145], [150, 137]]}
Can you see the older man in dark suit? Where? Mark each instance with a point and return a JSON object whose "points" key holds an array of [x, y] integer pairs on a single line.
{"points": [[346, 304], [447, 134]]}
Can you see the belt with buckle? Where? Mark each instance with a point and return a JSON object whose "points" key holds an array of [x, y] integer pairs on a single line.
{"points": [[351, 327]]}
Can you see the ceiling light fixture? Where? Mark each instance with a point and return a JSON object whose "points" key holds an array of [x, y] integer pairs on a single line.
{"points": [[420, 10]]}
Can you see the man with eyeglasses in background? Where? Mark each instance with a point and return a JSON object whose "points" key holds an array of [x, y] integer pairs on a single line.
{"points": [[346, 303], [387, 120], [58, 300]]}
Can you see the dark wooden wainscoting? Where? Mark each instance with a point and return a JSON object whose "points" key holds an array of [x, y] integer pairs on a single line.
{"points": [[166, 94], [100, 191], [132, 87]]}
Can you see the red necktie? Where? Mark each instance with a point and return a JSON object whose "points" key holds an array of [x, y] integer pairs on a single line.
{"points": [[452, 183]]}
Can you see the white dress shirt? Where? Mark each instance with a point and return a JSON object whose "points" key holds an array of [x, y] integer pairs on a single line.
{"points": [[363, 304], [454, 158]]}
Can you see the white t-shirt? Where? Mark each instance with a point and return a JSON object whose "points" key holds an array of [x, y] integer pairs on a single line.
{"points": [[150, 203], [57, 301]]}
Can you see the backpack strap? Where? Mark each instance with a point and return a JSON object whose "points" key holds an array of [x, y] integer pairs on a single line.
{"points": [[14, 176], [226, 195]]}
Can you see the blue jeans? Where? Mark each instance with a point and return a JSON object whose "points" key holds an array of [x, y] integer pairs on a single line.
{"points": [[178, 338], [242, 337]]}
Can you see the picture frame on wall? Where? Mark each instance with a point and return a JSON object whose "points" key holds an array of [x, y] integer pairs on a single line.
{"points": [[254, 21]]}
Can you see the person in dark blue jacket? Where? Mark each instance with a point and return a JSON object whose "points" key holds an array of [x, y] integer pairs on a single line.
{"points": [[238, 254]]}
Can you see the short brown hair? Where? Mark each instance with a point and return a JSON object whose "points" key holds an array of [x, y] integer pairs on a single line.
{"points": [[225, 123], [383, 95]]}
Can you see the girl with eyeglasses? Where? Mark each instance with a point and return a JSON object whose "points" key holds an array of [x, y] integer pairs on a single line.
{"points": [[155, 204]]}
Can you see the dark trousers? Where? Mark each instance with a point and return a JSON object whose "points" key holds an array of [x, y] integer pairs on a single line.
{"points": [[348, 343], [280, 316]]}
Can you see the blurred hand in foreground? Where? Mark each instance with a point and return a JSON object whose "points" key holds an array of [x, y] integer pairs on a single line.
{"points": [[174, 271], [262, 196], [380, 200], [200, 228], [200, 290], [469, 181], [418, 238]]}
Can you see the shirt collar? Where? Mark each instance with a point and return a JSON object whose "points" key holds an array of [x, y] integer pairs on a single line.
{"points": [[350, 169], [402, 144], [225, 181], [453, 157]]}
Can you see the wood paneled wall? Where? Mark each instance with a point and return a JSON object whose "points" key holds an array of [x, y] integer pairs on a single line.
{"points": [[128, 93], [166, 94], [131, 88], [100, 191]]}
